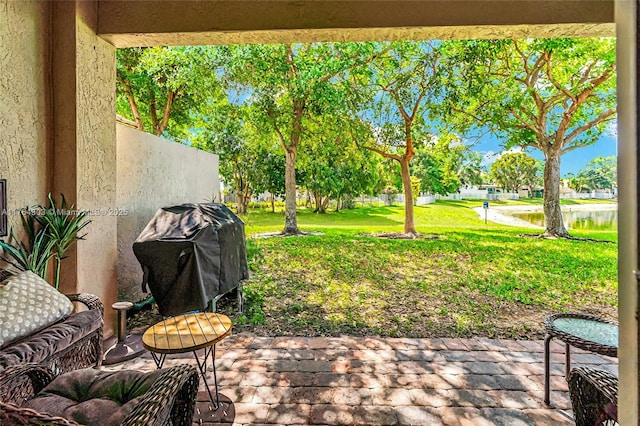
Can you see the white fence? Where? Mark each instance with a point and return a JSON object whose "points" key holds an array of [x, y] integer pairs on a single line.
{"points": [[477, 194], [600, 195], [473, 193], [453, 197], [463, 194]]}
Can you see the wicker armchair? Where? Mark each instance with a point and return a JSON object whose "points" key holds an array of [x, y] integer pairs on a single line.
{"points": [[594, 396], [169, 400]]}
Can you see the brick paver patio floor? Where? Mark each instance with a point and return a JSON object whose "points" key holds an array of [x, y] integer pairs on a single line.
{"points": [[383, 381]]}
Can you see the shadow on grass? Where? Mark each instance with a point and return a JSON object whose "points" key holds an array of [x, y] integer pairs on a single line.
{"points": [[370, 216], [452, 203]]}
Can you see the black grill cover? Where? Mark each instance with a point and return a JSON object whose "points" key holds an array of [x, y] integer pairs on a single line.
{"points": [[190, 254]]}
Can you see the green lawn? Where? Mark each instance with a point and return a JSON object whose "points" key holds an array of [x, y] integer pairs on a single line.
{"points": [[475, 279]]}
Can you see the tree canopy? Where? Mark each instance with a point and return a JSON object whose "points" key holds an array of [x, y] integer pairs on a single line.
{"points": [[160, 89], [333, 166], [287, 117], [554, 95], [394, 101], [600, 173], [289, 85], [514, 170], [444, 164]]}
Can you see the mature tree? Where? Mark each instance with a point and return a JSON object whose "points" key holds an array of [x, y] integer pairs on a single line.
{"points": [[444, 164], [332, 165], [223, 130], [396, 102], [577, 182], [600, 173], [389, 179], [358, 175], [160, 88], [533, 177], [318, 174], [270, 171], [470, 169], [514, 170], [288, 83], [555, 95]]}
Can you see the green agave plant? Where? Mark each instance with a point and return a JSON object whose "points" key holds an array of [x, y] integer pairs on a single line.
{"points": [[28, 257], [62, 226], [50, 232]]}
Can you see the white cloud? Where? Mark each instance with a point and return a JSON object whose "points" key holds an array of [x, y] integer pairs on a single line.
{"points": [[510, 151], [490, 157], [612, 128]]}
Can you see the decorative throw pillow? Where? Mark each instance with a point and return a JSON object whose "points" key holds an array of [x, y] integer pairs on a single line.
{"points": [[28, 303]]}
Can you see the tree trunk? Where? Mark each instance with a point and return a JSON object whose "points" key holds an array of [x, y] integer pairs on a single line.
{"points": [[241, 189], [338, 204], [134, 107], [290, 219], [273, 203], [325, 203], [241, 204], [348, 202], [166, 114], [409, 226], [317, 199], [554, 225]]}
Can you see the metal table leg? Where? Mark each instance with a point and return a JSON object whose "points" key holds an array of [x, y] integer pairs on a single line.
{"points": [[547, 342], [202, 366], [567, 362], [159, 359]]}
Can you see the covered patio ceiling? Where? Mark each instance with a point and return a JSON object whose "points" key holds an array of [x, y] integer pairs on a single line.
{"points": [[148, 23]]}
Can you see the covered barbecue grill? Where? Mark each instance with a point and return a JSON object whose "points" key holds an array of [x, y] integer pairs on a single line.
{"points": [[190, 254]]}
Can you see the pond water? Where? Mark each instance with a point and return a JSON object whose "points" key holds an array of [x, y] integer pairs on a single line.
{"points": [[603, 220]]}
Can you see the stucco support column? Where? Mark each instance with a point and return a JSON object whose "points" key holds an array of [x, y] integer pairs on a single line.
{"points": [[628, 178], [63, 88], [84, 145]]}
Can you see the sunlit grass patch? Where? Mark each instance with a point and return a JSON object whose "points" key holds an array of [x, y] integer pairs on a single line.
{"points": [[476, 279]]}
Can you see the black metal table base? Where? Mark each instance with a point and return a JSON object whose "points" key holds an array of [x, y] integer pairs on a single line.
{"points": [[547, 365], [202, 366]]}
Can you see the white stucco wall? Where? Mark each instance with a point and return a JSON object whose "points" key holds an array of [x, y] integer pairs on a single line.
{"points": [[154, 173]]}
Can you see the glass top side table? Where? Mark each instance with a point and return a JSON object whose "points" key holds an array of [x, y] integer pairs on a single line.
{"points": [[587, 332]]}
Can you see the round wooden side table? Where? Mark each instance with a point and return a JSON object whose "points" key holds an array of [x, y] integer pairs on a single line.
{"points": [[188, 333]]}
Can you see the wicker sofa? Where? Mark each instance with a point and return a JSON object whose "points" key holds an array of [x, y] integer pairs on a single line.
{"points": [[72, 343]]}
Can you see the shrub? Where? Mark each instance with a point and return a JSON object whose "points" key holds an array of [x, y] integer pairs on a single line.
{"points": [[253, 302], [254, 255]]}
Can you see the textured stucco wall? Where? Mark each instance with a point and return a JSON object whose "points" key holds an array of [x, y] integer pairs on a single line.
{"points": [[96, 158], [154, 173], [24, 102]]}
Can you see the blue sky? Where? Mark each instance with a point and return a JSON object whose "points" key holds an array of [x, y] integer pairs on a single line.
{"points": [[572, 162]]}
